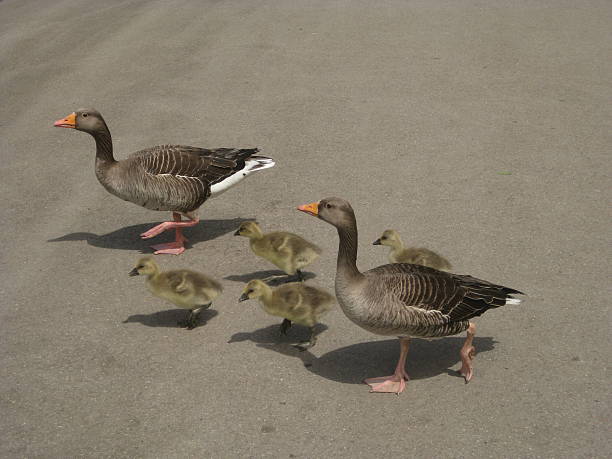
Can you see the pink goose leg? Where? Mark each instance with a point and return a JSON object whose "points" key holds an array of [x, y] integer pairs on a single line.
{"points": [[468, 351], [396, 383], [176, 247]]}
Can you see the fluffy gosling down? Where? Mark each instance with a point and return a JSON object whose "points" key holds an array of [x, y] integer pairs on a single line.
{"points": [[294, 302], [185, 288], [412, 255], [287, 251]]}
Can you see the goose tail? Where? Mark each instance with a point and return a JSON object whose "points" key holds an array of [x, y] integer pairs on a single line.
{"points": [[258, 162]]}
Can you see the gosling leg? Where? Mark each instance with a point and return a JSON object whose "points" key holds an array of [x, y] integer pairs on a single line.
{"points": [[305, 345], [194, 315], [284, 326], [190, 322], [269, 280]]}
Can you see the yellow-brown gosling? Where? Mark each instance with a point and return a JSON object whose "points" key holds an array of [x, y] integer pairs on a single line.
{"points": [[413, 255], [185, 288], [294, 302], [287, 251]]}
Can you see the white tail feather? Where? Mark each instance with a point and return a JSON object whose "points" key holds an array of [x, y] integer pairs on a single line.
{"points": [[253, 164], [513, 301]]}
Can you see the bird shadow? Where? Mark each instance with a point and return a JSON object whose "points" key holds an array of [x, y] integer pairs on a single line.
{"points": [[128, 237], [351, 364], [272, 335], [268, 273], [170, 318]]}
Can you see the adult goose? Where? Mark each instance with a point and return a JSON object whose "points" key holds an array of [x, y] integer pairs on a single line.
{"points": [[177, 178], [405, 300]]}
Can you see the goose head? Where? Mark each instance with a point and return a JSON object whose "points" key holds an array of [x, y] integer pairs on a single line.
{"points": [[85, 119], [145, 267], [249, 229], [389, 237], [254, 289], [335, 211]]}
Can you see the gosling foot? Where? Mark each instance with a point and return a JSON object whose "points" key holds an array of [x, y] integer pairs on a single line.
{"points": [[190, 323], [305, 345]]}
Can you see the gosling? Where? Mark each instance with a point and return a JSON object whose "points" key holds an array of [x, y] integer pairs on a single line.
{"points": [[185, 288], [294, 302], [289, 252], [415, 256]]}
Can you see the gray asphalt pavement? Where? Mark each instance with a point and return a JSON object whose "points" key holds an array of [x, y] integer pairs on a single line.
{"points": [[477, 129]]}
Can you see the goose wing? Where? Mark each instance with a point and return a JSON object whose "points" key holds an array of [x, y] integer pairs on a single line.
{"points": [[208, 165], [178, 177], [436, 294]]}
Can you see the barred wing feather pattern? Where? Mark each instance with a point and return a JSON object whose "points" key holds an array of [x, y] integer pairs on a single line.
{"points": [[429, 303], [178, 177]]}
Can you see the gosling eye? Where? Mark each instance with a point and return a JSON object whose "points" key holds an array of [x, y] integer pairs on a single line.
{"points": [[139, 266], [249, 291], [384, 237]]}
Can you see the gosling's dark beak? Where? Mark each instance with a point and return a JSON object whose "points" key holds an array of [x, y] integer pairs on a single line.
{"points": [[134, 272], [237, 233], [376, 242], [243, 297]]}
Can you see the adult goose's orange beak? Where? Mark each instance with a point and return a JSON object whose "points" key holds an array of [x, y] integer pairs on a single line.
{"points": [[68, 122], [312, 208]]}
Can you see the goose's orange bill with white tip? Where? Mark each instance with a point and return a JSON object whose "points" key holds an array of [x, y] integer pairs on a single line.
{"points": [[68, 122], [312, 208]]}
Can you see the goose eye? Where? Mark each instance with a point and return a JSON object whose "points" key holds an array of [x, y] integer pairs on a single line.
{"points": [[85, 115], [328, 205]]}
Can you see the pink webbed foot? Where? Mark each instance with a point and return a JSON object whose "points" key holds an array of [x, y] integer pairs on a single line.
{"points": [[156, 230], [170, 248], [467, 363], [176, 224], [395, 384]]}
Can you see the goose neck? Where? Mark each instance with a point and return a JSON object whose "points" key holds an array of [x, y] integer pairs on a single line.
{"points": [[397, 245], [347, 252], [151, 277], [104, 145], [266, 294]]}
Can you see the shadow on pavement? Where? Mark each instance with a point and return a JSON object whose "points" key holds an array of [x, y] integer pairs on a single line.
{"points": [[170, 318], [263, 274], [272, 335], [352, 364], [128, 238]]}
